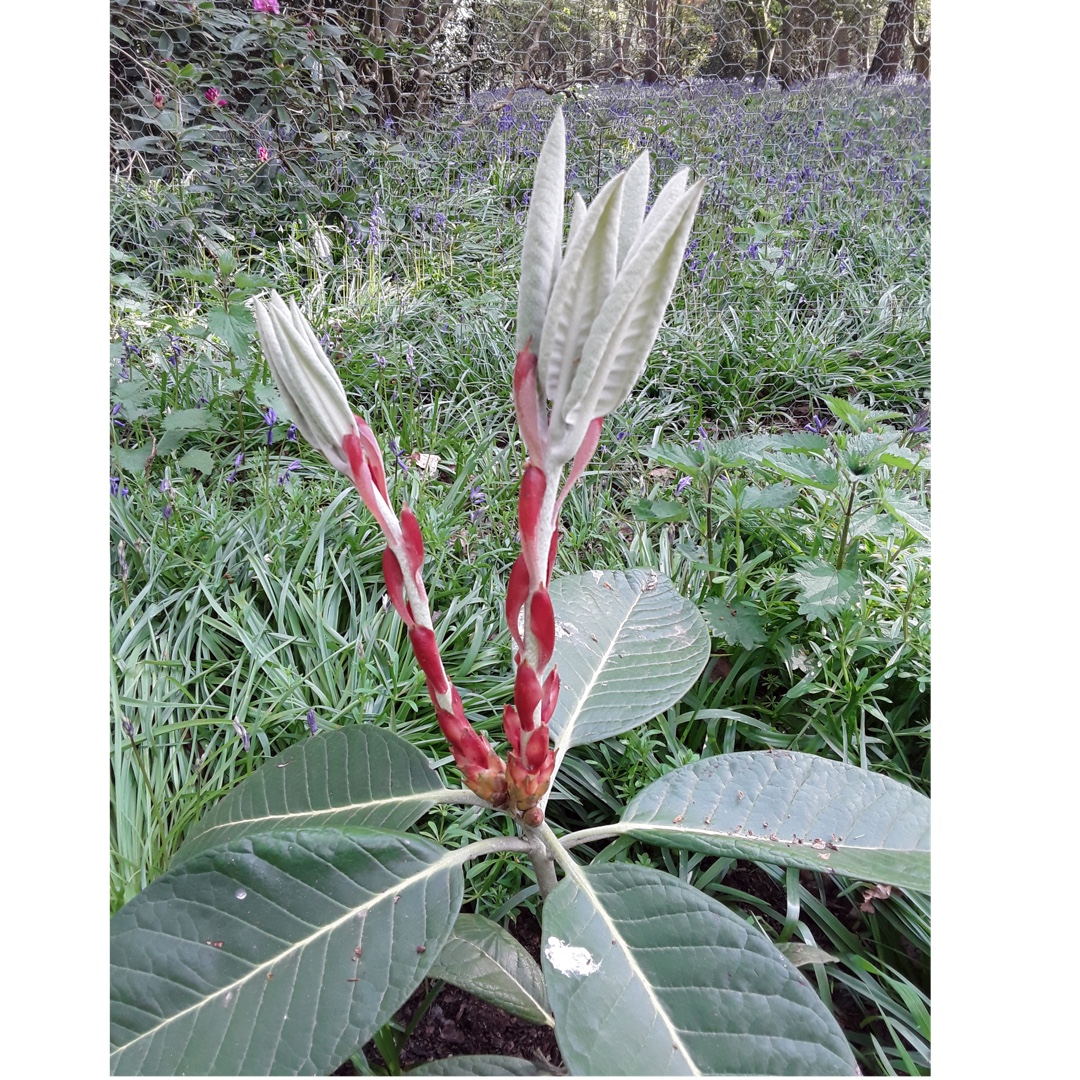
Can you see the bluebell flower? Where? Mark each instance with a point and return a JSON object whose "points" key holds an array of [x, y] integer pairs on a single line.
{"points": [[270, 419], [283, 479], [683, 484], [817, 426], [166, 511], [399, 456], [312, 723], [290, 435], [231, 478]]}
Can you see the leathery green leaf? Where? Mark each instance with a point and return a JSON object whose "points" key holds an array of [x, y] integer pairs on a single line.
{"points": [[485, 960], [359, 775], [649, 976], [277, 953], [794, 809]]}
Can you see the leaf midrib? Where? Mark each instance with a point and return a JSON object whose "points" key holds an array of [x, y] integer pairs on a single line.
{"points": [[578, 875], [445, 862]]}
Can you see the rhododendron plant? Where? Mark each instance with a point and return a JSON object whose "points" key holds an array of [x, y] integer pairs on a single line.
{"points": [[587, 318], [301, 913]]}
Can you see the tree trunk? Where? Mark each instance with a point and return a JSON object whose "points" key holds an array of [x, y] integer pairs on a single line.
{"points": [[389, 76], [624, 48], [898, 20], [757, 20], [651, 73], [921, 62], [423, 76], [796, 45]]}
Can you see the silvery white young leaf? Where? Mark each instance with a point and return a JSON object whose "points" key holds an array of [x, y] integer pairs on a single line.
{"points": [[635, 195], [543, 236], [669, 195], [577, 217], [307, 380], [585, 279], [624, 331]]}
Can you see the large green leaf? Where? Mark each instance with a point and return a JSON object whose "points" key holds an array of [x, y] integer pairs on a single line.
{"points": [[277, 953], [483, 959], [649, 976], [627, 646], [359, 775], [824, 590], [793, 809], [478, 1065]]}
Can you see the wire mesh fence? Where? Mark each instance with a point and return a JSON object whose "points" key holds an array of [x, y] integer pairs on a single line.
{"points": [[403, 60]]}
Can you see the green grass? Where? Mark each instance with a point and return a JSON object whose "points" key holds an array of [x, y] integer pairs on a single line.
{"points": [[256, 600]]}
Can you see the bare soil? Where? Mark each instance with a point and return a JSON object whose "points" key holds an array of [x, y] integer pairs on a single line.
{"points": [[458, 1023]]}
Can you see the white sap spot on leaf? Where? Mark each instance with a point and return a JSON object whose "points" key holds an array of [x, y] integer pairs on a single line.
{"points": [[564, 629], [570, 959], [240, 894], [229, 997], [597, 575]]}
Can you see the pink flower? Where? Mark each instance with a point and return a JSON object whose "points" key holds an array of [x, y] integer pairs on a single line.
{"points": [[212, 96], [262, 153], [159, 100], [269, 6]]}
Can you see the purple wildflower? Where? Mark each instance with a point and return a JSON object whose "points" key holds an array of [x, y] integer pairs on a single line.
{"points": [[231, 478], [290, 435], [402, 460], [129, 728], [816, 425], [166, 511], [683, 484], [270, 419], [312, 723], [283, 479], [175, 351]]}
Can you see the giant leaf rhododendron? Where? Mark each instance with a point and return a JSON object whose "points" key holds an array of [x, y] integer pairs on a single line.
{"points": [[588, 314]]}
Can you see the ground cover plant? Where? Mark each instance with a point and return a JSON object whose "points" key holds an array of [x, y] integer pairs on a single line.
{"points": [[246, 587]]}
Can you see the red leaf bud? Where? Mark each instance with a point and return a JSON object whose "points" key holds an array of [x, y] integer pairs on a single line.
{"points": [[414, 542], [551, 696], [517, 591], [395, 586], [542, 624], [512, 727], [373, 455], [527, 695], [427, 656]]}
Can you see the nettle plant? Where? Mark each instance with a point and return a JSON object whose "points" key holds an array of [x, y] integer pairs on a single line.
{"points": [[301, 913]]}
